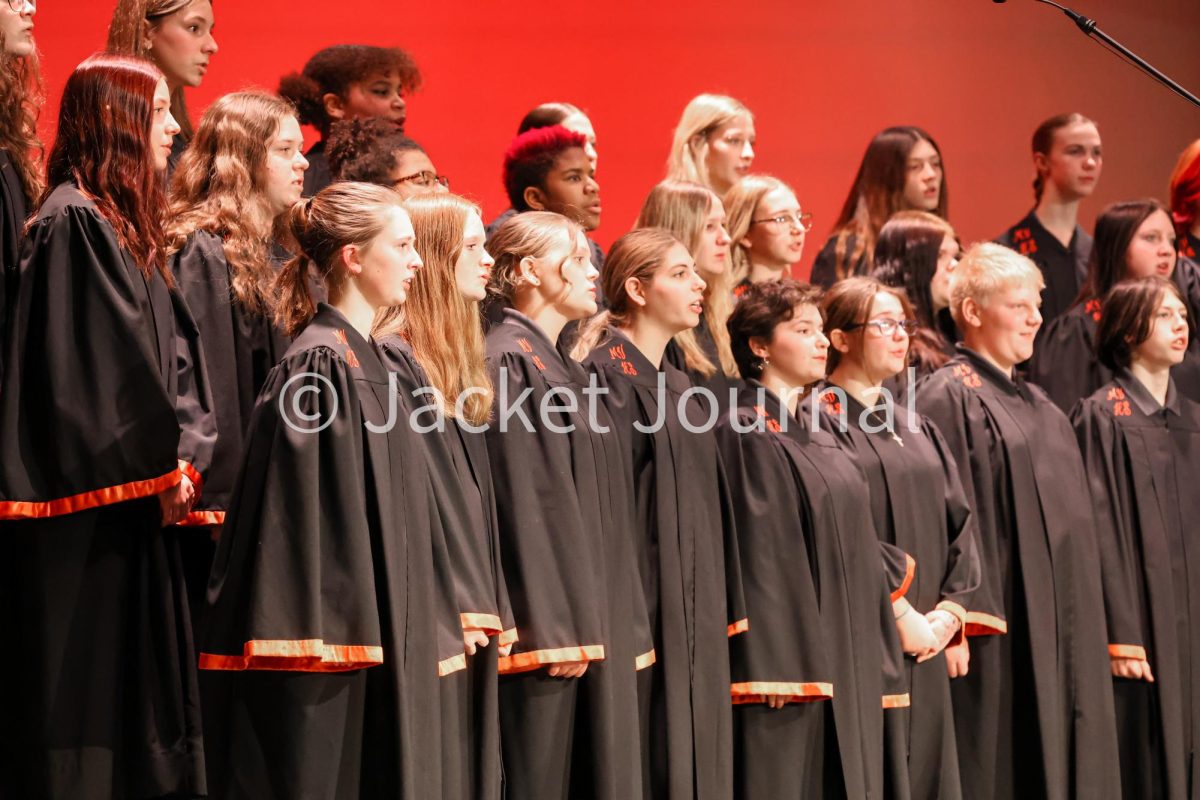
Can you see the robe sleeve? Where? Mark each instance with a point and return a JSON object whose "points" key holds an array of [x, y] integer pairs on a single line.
{"points": [[963, 572], [86, 419], [293, 585], [1065, 364], [783, 653], [899, 569], [193, 397], [1102, 448], [737, 613], [550, 565]]}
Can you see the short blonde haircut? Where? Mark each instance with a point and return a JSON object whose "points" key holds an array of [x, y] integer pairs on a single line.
{"points": [[986, 269], [701, 118]]}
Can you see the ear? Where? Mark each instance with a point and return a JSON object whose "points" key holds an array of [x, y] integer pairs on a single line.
{"points": [[334, 106], [839, 341], [972, 316], [535, 198], [635, 292], [147, 43], [352, 259], [1041, 163], [527, 271], [758, 347]]}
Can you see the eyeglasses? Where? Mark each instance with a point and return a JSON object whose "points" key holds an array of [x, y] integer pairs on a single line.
{"points": [[19, 5], [886, 327], [801, 222], [425, 179]]}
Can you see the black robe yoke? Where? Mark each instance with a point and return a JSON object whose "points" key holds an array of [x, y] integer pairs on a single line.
{"points": [[1034, 714], [816, 591], [465, 504], [1064, 269], [321, 640], [13, 210], [690, 571], [1143, 463], [566, 536], [918, 505], [102, 407]]}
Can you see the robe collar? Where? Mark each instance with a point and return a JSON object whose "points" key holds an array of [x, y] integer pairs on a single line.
{"points": [[1145, 401]]}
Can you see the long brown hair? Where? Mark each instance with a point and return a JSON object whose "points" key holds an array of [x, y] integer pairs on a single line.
{"points": [[1043, 142], [877, 193], [1115, 228], [103, 145], [846, 306], [21, 88], [681, 208], [443, 327], [637, 254], [218, 187], [341, 214], [131, 20], [1127, 318]]}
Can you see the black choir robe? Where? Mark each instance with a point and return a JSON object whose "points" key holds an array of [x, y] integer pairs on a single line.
{"points": [[319, 174], [816, 593], [1065, 364], [723, 387], [321, 646], [690, 571], [462, 484], [1034, 713], [1064, 269], [103, 406], [14, 208], [918, 505], [1143, 463], [824, 271], [566, 545]]}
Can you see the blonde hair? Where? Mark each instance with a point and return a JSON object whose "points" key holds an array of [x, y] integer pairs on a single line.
{"points": [[530, 234], [131, 21], [341, 214], [741, 202], [443, 327], [701, 118], [986, 269], [681, 208], [637, 254], [219, 187]]}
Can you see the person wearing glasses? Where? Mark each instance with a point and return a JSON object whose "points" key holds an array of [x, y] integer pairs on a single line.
{"points": [[373, 151], [917, 252], [768, 229], [713, 143], [21, 181], [1034, 713], [348, 81], [901, 170], [918, 506], [177, 35]]}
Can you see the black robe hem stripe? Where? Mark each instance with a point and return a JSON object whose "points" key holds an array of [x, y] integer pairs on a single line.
{"points": [[300, 655], [97, 498], [524, 662]]}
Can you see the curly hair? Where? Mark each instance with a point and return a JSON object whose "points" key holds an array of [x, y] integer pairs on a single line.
{"points": [[365, 150], [21, 84], [530, 157], [218, 187], [761, 309], [335, 69]]}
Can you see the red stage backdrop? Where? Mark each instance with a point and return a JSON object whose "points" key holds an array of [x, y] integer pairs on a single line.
{"points": [[821, 77]]}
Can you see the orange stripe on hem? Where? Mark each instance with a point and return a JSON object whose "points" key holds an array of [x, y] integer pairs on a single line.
{"points": [[22, 509], [979, 624], [734, 628], [759, 691], [508, 637], [300, 655], [195, 477], [897, 700], [1127, 651], [449, 666], [196, 519], [488, 623], [909, 571], [644, 660], [523, 662]]}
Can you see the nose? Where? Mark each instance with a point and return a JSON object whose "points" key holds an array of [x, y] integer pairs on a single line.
{"points": [[593, 186], [700, 284], [301, 161], [487, 260], [171, 127], [398, 103], [210, 46], [748, 150], [723, 237], [592, 272], [1037, 317], [822, 341], [417, 263]]}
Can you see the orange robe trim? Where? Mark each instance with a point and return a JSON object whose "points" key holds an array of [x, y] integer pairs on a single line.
{"points": [[759, 691], [22, 509], [734, 628], [979, 624], [296, 655], [524, 662], [909, 573]]}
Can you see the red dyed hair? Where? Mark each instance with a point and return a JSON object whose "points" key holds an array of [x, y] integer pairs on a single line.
{"points": [[1185, 188], [529, 158], [103, 145]]}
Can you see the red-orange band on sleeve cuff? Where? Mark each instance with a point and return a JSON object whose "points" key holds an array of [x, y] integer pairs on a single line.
{"points": [[508, 637], [488, 623], [644, 660], [909, 571], [897, 700], [193, 475], [979, 624], [23, 509], [759, 691], [1127, 651], [451, 665], [523, 662], [196, 519], [301, 655], [734, 628], [960, 614]]}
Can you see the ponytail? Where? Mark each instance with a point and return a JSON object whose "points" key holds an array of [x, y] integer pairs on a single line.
{"points": [[591, 332]]}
